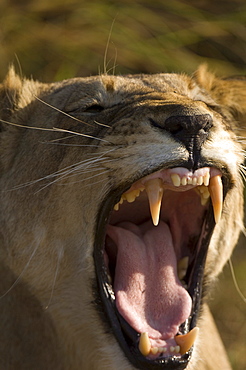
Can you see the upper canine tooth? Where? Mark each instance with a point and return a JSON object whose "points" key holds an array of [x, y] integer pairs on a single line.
{"points": [[175, 179], [187, 340], [216, 192], [154, 189], [144, 344]]}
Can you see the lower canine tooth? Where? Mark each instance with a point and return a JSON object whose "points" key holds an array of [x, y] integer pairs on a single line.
{"points": [[154, 189], [216, 191], [187, 340], [144, 344]]}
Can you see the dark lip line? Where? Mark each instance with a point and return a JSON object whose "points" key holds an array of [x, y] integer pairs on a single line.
{"points": [[105, 289]]}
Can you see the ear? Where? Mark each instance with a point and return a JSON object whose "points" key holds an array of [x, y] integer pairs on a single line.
{"points": [[229, 93], [10, 91]]}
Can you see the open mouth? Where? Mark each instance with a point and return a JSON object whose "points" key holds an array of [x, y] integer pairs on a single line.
{"points": [[149, 256]]}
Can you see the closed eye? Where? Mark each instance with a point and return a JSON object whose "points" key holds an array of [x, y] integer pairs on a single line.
{"points": [[95, 108]]}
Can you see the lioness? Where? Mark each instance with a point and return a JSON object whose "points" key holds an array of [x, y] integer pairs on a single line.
{"points": [[121, 201]]}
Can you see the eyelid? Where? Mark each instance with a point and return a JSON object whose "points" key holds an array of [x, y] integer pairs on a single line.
{"points": [[95, 108]]}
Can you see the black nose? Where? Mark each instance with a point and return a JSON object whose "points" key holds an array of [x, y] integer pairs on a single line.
{"points": [[185, 127], [192, 131]]}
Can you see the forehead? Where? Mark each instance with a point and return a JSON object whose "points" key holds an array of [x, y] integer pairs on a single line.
{"points": [[107, 87], [163, 82]]}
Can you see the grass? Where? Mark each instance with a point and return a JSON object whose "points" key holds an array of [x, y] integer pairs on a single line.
{"points": [[60, 39], [53, 40]]}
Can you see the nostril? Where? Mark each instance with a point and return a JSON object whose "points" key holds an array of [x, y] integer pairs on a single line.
{"points": [[174, 126], [208, 124], [191, 124]]}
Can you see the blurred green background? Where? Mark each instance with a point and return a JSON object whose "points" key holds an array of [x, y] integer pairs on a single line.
{"points": [[53, 39]]}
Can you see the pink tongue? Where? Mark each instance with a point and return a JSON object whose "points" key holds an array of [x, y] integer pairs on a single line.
{"points": [[148, 292]]}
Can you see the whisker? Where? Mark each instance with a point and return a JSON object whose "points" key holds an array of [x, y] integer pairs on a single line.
{"points": [[102, 124], [76, 169], [241, 295], [25, 126], [107, 47], [70, 145], [86, 179], [54, 129], [79, 134], [67, 170], [60, 139], [59, 255], [65, 175], [69, 115], [22, 273], [93, 183], [60, 111]]}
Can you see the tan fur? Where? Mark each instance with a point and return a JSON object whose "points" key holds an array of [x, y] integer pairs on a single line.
{"points": [[48, 316]]}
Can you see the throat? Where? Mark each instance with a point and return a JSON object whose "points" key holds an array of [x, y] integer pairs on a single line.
{"points": [[148, 292]]}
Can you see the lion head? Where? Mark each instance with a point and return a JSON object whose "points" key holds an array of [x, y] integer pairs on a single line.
{"points": [[121, 201]]}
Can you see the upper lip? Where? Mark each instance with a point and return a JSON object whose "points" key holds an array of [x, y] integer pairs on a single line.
{"points": [[126, 335]]}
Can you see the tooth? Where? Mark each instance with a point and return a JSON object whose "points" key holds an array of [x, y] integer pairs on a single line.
{"points": [[206, 179], [189, 181], [144, 344], [206, 193], [172, 349], [216, 191], [184, 181], [182, 267], [154, 189], [116, 206], [187, 340], [205, 196], [130, 197], [175, 179], [194, 181], [177, 349], [200, 180], [162, 349], [204, 201], [154, 350]]}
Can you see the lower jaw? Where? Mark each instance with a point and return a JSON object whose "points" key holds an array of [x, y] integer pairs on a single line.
{"points": [[128, 338]]}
